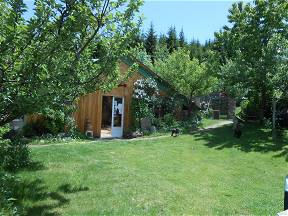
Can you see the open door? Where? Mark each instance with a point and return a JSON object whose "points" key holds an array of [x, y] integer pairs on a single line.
{"points": [[117, 116], [106, 122]]}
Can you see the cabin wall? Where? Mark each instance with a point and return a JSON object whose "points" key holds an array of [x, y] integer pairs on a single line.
{"points": [[89, 107]]}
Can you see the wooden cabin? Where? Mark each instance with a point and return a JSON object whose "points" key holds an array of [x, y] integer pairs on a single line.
{"points": [[108, 114]]}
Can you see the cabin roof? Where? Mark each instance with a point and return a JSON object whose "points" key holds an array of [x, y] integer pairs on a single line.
{"points": [[147, 72]]}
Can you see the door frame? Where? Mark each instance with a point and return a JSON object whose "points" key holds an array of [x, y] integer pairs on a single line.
{"points": [[121, 129]]}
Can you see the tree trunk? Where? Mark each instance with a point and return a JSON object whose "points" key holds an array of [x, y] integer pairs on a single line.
{"points": [[262, 105], [274, 103]]}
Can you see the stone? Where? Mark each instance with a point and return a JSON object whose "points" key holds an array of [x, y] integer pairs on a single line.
{"points": [[153, 129], [146, 124]]}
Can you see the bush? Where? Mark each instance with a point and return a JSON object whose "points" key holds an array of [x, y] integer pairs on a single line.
{"points": [[50, 122], [248, 108], [14, 155], [43, 126], [192, 122], [9, 186], [35, 128], [168, 122], [3, 130]]}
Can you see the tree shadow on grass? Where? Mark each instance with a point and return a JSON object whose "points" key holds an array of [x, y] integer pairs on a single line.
{"points": [[254, 139], [35, 166], [67, 188], [45, 201]]}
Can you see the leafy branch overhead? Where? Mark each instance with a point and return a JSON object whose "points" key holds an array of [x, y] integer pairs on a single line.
{"points": [[66, 49]]}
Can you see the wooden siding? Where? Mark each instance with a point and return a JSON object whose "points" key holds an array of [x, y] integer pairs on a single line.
{"points": [[89, 107]]}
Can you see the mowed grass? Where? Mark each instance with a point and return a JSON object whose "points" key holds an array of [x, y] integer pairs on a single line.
{"points": [[208, 173]]}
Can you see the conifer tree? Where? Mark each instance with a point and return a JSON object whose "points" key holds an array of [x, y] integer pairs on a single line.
{"points": [[172, 40], [151, 42], [182, 41]]}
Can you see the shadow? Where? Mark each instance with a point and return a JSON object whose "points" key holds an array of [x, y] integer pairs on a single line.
{"points": [[67, 188], [37, 191], [44, 201], [35, 166], [254, 139], [283, 153]]}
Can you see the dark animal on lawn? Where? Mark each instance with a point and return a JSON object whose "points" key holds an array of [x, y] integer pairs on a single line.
{"points": [[237, 131], [237, 127], [175, 132]]}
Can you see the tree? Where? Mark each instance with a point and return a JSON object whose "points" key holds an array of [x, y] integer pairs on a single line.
{"points": [[277, 52], [161, 52], [162, 39], [188, 77], [197, 50], [182, 41], [245, 43], [141, 55], [66, 49], [151, 42], [172, 40]]}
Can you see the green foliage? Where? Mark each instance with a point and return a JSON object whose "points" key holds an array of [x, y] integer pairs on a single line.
{"points": [[182, 41], [172, 39], [196, 50], [171, 103], [141, 55], [248, 108], [35, 128], [144, 98], [248, 50], [14, 155], [4, 130], [151, 42], [9, 186], [66, 49], [188, 77], [169, 122], [161, 52], [51, 122], [191, 123]]}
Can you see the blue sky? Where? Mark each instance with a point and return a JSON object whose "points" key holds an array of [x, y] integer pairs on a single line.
{"points": [[199, 19]]}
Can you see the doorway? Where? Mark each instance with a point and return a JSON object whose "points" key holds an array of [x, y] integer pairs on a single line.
{"points": [[112, 117], [106, 130]]}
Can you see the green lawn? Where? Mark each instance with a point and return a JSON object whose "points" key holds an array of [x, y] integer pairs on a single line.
{"points": [[208, 173]]}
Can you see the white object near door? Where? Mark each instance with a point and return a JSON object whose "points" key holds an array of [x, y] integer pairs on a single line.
{"points": [[117, 117]]}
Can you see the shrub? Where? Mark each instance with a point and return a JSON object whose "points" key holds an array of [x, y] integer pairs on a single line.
{"points": [[192, 122], [43, 126], [14, 154], [144, 100], [35, 128], [3, 130], [9, 186], [168, 122], [248, 108]]}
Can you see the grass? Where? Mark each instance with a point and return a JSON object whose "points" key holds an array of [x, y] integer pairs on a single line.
{"points": [[208, 173]]}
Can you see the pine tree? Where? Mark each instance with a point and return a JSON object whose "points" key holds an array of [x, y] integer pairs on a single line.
{"points": [[172, 40], [196, 50], [151, 42], [182, 41], [162, 39]]}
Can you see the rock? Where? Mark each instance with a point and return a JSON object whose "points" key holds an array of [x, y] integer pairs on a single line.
{"points": [[153, 129], [146, 124]]}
